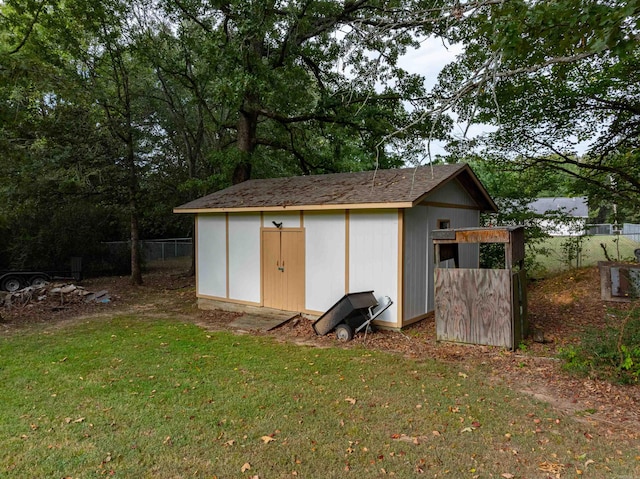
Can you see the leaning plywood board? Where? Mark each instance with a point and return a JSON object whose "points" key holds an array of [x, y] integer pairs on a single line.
{"points": [[474, 306]]}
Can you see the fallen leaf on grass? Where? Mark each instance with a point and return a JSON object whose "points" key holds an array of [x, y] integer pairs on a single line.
{"points": [[507, 475], [350, 400], [267, 439], [68, 420], [410, 439], [551, 467], [245, 467]]}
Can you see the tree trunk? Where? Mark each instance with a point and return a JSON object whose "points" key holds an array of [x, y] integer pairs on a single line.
{"points": [[192, 267], [136, 269], [247, 140]]}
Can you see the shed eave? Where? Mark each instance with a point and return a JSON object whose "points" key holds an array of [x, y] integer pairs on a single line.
{"points": [[325, 207], [489, 205]]}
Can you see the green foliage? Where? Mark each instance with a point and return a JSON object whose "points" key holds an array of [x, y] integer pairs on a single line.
{"points": [[611, 352], [572, 249], [128, 109], [554, 78]]}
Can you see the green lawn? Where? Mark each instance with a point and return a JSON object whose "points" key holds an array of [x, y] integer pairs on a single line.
{"points": [[555, 259], [139, 398]]}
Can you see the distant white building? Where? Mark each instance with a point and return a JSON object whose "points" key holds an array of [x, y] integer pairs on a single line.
{"points": [[562, 216]]}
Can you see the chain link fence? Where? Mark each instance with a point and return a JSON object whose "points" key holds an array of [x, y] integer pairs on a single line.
{"points": [[155, 250]]}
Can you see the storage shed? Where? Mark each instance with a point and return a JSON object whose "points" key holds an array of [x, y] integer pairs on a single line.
{"points": [[299, 244]]}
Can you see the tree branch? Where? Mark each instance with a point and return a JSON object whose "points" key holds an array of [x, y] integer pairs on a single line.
{"points": [[29, 30]]}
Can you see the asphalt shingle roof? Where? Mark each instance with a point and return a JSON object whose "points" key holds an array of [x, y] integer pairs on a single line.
{"points": [[577, 206], [404, 187]]}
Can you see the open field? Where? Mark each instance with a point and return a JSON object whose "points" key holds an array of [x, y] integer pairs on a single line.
{"points": [[555, 259]]}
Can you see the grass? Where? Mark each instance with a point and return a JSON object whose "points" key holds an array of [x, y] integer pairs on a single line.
{"points": [[135, 397], [554, 259]]}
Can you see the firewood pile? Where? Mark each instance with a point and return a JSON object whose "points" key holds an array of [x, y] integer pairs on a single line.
{"points": [[53, 295]]}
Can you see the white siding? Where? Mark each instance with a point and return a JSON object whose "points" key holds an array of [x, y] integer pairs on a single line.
{"points": [[289, 219], [468, 254], [452, 193], [212, 255], [244, 257], [325, 259], [416, 264], [373, 256]]}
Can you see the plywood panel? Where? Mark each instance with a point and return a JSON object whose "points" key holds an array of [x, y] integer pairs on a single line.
{"points": [[474, 306], [211, 266], [373, 256], [325, 258], [293, 275], [283, 269], [271, 275], [244, 257]]}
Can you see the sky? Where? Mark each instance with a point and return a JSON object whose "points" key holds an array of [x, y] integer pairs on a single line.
{"points": [[428, 61]]}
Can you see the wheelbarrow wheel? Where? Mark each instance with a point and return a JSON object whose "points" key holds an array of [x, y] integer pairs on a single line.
{"points": [[344, 332]]}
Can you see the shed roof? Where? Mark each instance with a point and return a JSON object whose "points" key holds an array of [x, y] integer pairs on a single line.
{"points": [[393, 188], [576, 207]]}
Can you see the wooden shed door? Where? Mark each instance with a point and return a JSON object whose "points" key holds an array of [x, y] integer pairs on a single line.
{"points": [[283, 269]]}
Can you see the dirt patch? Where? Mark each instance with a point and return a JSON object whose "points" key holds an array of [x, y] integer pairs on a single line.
{"points": [[561, 307]]}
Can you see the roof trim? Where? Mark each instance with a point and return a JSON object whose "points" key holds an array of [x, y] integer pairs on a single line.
{"points": [[253, 209]]}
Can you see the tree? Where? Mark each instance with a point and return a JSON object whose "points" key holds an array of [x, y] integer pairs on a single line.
{"points": [[552, 77], [313, 84], [88, 49], [52, 177]]}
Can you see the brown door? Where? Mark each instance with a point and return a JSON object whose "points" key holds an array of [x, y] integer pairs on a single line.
{"points": [[283, 269]]}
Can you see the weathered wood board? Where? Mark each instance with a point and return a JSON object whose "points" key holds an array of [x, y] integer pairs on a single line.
{"points": [[520, 306], [619, 282], [474, 306]]}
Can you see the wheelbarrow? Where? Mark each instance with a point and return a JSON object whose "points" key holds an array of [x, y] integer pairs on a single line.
{"points": [[351, 314]]}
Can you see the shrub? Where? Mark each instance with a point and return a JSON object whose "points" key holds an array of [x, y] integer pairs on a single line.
{"points": [[612, 352]]}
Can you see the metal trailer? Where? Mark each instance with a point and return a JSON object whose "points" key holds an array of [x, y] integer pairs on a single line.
{"points": [[14, 280], [351, 314]]}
